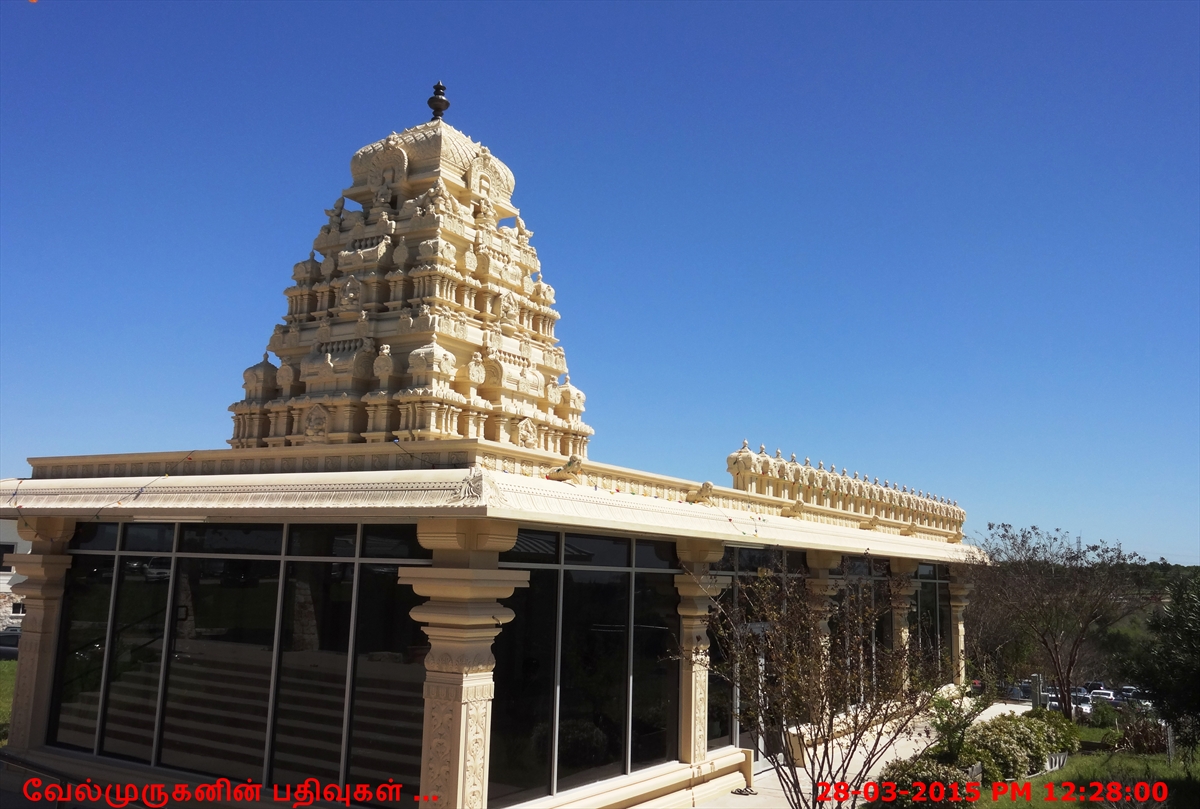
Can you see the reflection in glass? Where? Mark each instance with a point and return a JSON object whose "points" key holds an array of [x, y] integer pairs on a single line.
{"points": [[522, 710], [136, 658], [655, 670], [88, 586], [393, 542], [720, 701], [600, 551], [322, 540], [655, 554], [220, 667], [250, 538], [147, 536], [94, 536], [533, 547], [752, 560], [314, 641], [389, 674], [591, 728]]}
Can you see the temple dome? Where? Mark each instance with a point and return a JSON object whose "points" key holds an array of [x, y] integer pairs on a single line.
{"points": [[431, 150]]}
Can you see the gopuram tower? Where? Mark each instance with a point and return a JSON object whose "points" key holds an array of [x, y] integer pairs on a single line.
{"points": [[418, 317]]}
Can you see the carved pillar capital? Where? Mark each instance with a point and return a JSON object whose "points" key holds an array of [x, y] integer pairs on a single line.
{"points": [[48, 535], [466, 542]]}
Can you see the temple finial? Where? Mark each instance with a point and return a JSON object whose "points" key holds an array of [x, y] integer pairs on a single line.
{"points": [[437, 101]]}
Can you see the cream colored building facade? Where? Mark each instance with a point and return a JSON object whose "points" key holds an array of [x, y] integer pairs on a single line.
{"points": [[416, 458]]}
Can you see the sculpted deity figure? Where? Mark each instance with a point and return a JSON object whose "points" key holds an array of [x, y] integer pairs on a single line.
{"points": [[527, 434], [316, 423], [335, 216]]}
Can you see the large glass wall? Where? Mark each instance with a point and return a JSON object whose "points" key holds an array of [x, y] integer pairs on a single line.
{"points": [[587, 673], [865, 583], [82, 644], [227, 649], [929, 620]]}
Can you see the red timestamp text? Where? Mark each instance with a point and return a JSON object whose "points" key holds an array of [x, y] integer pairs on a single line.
{"points": [[970, 791]]}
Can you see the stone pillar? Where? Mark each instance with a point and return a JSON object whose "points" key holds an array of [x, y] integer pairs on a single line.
{"points": [[462, 618], [697, 589], [44, 568], [821, 585], [960, 591]]}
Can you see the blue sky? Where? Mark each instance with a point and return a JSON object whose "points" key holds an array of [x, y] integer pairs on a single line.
{"points": [[954, 245]]}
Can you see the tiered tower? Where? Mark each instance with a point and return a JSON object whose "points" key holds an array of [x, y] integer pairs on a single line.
{"points": [[418, 317]]}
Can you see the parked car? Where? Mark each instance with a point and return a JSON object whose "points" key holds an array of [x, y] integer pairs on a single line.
{"points": [[1129, 692], [9, 639], [158, 569], [1102, 694], [1082, 703], [1094, 685]]}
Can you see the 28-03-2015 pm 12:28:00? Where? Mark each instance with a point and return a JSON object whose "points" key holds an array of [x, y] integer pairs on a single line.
{"points": [[938, 792]]}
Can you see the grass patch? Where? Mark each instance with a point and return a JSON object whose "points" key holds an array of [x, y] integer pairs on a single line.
{"points": [[1082, 769], [8, 682], [1090, 734]]}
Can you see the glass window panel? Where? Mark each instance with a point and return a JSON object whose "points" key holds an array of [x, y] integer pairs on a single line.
{"points": [[533, 547], [943, 572], [655, 736], [94, 536], [591, 728], [856, 566], [924, 571], [720, 702], [314, 642], [149, 536], [943, 595], [389, 675], [524, 675], [252, 538], [136, 658], [393, 542], [751, 560], [322, 540], [883, 623], [927, 616], [593, 550], [881, 567], [797, 562], [220, 667], [88, 589], [655, 554]]}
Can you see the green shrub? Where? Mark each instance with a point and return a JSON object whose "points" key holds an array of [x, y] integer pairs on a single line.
{"points": [[925, 769], [1007, 749], [1103, 715], [1062, 734]]}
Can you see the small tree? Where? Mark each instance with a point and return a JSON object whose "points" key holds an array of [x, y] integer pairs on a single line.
{"points": [[1167, 666], [1057, 592], [816, 681]]}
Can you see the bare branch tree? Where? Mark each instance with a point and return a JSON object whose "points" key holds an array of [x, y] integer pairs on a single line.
{"points": [[1057, 591], [817, 680]]}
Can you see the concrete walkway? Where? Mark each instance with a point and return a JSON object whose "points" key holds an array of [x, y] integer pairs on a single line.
{"points": [[770, 794]]}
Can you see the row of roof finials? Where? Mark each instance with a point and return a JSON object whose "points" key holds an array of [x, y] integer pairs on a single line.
{"points": [[745, 465]]}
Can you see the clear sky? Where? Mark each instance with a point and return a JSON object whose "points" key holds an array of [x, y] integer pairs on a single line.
{"points": [[955, 245]]}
